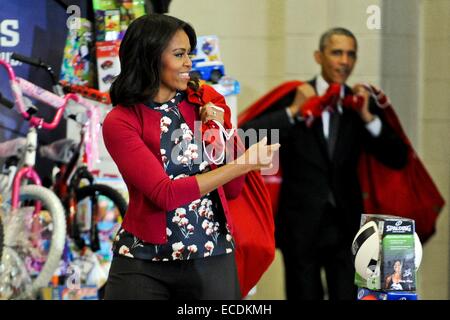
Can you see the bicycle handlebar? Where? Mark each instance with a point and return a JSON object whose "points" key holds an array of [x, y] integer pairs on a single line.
{"points": [[6, 102], [40, 122], [18, 97], [37, 63]]}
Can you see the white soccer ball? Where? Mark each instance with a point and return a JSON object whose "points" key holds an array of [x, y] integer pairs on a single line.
{"points": [[417, 251], [366, 250]]}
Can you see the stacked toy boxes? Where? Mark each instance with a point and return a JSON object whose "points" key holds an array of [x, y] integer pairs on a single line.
{"points": [[208, 66], [387, 254], [112, 18]]}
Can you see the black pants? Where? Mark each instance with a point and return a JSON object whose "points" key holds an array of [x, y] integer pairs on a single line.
{"points": [[332, 251], [212, 278]]}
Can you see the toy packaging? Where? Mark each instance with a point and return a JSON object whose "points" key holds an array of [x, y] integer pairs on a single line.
{"points": [[112, 17], [77, 66], [129, 11], [108, 63], [206, 63], [227, 86], [64, 293], [395, 270], [366, 294], [207, 48]]}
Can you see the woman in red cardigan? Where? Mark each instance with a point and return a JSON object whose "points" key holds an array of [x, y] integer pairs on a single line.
{"points": [[175, 241]]}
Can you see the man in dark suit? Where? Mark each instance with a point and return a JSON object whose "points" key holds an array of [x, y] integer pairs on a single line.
{"points": [[320, 201]]}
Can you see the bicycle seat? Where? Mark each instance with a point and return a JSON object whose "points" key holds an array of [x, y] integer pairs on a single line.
{"points": [[61, 150], [12, 147]]}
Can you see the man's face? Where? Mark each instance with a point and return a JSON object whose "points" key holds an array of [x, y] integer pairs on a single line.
{"points": [[337, 58]]}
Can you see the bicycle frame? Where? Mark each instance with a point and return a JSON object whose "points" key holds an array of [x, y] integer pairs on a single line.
{"points": [[27, 172], [91, 128]]}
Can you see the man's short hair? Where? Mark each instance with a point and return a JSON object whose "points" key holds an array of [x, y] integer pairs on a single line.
{"points": [[326, 36]]}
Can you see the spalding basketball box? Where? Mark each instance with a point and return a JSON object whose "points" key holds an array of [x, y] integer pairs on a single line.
{"points": [[384, 253]]}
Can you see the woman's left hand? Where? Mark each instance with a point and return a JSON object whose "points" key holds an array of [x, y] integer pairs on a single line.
{"points": [[211, 112]]}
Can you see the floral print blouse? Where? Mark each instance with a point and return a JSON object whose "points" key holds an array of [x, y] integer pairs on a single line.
{"points": [[196, 230]]}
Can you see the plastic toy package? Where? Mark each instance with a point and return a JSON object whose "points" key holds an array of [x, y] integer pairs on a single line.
{"points": [[366, 294], [112, 17], [129, 11], [207, 48], [65, 293], [108, 63], [77, 67], [206, 63]]}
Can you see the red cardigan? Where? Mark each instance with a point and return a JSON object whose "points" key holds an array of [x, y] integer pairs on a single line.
{"points": [[132, 137]]}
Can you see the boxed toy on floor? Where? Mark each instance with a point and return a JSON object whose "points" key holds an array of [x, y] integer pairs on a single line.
{"points": [[65, 293], [366, 294], [384, 253]]}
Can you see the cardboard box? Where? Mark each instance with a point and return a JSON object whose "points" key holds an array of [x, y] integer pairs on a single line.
{"points": [[108, 63], [366, 294], [64, 293], [395, 269]]}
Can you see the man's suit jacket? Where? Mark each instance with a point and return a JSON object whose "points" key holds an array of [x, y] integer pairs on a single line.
{"points": [[310, 174]]}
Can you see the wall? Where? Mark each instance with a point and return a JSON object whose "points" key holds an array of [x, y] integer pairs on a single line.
{"points": [[434, 136]]}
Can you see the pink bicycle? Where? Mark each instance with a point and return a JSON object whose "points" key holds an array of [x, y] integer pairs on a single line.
{"points": [[94, 211], [35, 224]]}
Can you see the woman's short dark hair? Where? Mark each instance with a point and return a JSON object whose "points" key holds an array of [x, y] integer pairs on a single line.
{"points": [[140, 57]]}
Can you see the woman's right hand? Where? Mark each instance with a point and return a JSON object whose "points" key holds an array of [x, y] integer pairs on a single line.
{"points": [[259, 155]]}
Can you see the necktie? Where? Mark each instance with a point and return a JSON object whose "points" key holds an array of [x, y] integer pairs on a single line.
{"points": [[332, 133], [332, 137]]}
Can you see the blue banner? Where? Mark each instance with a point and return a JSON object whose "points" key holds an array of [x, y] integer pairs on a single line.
{"points": [[38, 29]]}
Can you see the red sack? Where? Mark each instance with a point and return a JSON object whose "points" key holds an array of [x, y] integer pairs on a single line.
{"points": [[273, 183], [251, 212], [409, 193], [254, 231]]}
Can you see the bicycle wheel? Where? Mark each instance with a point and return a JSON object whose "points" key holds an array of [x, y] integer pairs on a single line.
{"points": [[106, 191], [100, 210], [15, 282], [1, 236], [38, 237]]}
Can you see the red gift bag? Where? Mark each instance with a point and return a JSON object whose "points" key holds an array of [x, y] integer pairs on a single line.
{"points": [[251, 213], [254, 231], [409, 193]]}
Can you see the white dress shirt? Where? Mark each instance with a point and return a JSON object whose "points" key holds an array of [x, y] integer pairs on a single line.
{"points": [[374, 126]]}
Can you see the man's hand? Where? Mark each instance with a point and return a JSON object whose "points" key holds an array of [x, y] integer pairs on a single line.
{"points": [[304, 92], [364, 112]]}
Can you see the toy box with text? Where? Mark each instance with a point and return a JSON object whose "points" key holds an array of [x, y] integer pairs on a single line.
{"points": [[64, 293], [366, 294], [394, 263], [108, 63]]}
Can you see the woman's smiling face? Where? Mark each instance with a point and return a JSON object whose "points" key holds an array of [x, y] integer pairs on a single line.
{"points": [[176, 66]]}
